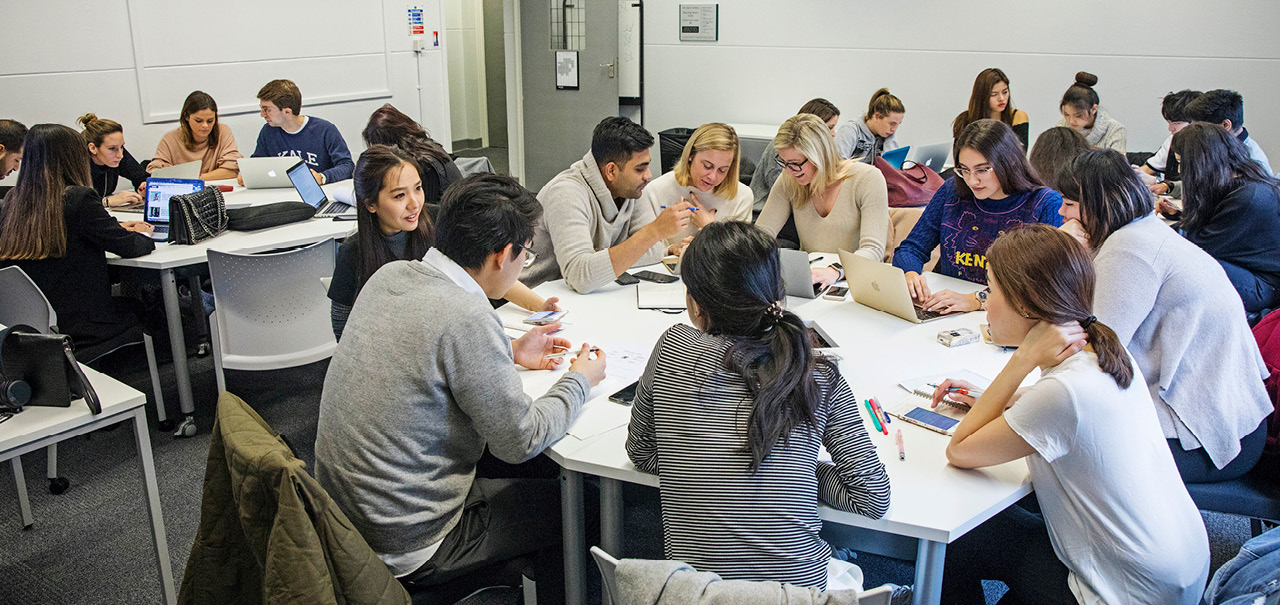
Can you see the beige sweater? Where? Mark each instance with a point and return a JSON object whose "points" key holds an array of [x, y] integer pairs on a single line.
{"points": [[171, 149], [666, 191], [580, 222], [859, 221]]}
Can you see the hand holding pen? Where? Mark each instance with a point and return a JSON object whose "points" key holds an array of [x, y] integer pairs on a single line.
{"points": [[960, 391]]}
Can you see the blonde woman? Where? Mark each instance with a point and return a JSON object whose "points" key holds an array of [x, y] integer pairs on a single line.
{"points": [[707, 177], [836, 203]]}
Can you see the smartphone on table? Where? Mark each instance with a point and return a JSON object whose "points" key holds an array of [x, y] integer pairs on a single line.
{"points": [[626, 395], [836, 293], [656, 278], [626, 279], [543, 318]]}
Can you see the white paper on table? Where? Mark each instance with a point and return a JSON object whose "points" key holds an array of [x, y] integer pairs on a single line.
{"points": [[624, 363], [600, 416]]}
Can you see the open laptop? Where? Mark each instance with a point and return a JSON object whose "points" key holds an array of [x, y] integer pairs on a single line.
{"points": [[882, 287], [796, 277], [189, 170], [268, 172], [895, 157], [156, 205], [932, 156], [302, 179]]}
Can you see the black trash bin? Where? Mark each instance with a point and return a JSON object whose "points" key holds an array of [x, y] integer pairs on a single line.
{"points": [[671, 144]]}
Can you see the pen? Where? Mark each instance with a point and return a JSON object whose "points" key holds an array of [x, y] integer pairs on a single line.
{"points": [[875, 409], [567, 353], [690, 207], [874, 419], [882, 411], [902, 450], [973, 393]]}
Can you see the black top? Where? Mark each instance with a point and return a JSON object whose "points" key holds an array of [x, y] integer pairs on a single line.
{"points": [[346, 271], [436, 177], [105, 177], [1023, 131], [77, 285], [1245, 231]]}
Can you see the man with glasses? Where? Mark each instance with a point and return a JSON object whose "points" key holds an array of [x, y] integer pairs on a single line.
{"points": [[595, 227], [423, 383]]}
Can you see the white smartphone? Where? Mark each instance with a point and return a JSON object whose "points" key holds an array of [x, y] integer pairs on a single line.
{"points": [[543, 318], [836, 293]]}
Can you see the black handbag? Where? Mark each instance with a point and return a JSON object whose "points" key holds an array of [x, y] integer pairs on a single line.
{"points": [[41, 369], [195, 217], [269, 215]]}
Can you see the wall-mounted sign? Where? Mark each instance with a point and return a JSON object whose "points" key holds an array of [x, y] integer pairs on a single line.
{"points": [[699, 22], [566, 70]]}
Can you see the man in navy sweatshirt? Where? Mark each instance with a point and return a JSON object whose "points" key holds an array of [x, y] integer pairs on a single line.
{"points": [[308, 138]]}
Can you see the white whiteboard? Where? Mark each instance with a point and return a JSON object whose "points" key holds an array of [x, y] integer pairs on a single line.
{"points": [[629, 48]]}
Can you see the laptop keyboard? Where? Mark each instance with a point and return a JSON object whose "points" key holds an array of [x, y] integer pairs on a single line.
{"points": [[332, 209], [924, 315]]}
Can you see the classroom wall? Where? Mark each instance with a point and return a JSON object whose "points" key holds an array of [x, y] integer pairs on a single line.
{"points": [[134, 61], [465, 24], [772, 57]]}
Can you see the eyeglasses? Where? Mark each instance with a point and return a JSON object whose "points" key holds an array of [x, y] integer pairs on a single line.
{"points": [[791, 166], [980, 172], [529, 256]]}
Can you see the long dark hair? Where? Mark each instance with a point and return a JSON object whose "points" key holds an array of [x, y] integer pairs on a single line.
{"points": [[198, 101], [997, 143], [390, 126], [32, 222], [1108, 192], [1053, 149], [1213, 163], [732, 272], [370, 174], [980, 101], [1047, 275]]}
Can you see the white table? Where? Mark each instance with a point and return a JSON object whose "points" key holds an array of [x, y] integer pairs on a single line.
{"points": [[168, 257], [932, 502], [39, 427]]}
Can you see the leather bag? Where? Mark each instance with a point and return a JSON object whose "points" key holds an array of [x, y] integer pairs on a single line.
{"points": [[195, 217], [269, 215], [41, 369], [911, 186]]}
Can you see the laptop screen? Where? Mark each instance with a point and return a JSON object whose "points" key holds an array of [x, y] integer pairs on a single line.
{"points": [[160, 190], [306, 185]]}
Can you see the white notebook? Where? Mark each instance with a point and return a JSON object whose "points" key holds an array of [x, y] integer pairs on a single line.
{"points": [[660, 296], [914, 405]]}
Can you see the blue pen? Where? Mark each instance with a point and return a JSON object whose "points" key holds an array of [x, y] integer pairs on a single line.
{"points": [[690, 207]]}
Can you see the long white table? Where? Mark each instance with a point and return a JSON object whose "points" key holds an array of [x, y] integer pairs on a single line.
{"points": [[932, 502], [38, 427], [168, 257]]}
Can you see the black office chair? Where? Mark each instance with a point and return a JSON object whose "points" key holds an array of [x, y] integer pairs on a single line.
{"points": [[1255, 495]]}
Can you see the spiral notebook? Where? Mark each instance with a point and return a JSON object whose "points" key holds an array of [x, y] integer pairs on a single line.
{"points": [[914, 406]]}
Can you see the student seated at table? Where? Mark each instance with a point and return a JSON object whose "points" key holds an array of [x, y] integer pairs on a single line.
{"points": [[1150, 280], [1117, 523], [1226, 109], [53, 226], [595, 226], [1231, 209], [390, 227], [867, 136], [730, 414], [200, 137], [836, 203], [289, 133], [389, 126], [423, 381], [706, 176], [991, 99], [1163, 164], [1080, 111], [768, 170], [994, 190], [12, 132], [1053, 149], [109, 160]]}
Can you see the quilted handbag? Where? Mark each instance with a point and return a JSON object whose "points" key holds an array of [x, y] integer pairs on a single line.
{"points": [[196, 217]]}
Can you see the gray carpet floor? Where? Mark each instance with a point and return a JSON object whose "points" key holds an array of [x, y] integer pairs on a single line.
{"points": [[92, 544]]}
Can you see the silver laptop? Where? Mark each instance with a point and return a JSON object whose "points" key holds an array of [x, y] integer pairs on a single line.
{"points": [[796, 277], [189, 170], [156, 204], [302, 179], [882, 287], [267, 173], [931, 156]]}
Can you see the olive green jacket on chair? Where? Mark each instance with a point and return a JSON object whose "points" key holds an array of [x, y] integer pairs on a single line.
{"points": [[269, 533]]}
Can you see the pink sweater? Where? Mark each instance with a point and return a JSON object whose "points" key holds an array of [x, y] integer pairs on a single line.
{"points": [[171, 149]]}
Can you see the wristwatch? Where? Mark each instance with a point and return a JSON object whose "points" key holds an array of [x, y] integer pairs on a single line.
{"points": [[982, 298], [839, 269]]}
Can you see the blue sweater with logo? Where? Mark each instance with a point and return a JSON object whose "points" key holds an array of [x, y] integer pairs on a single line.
{"points": [[965, 228], [319, 144]]}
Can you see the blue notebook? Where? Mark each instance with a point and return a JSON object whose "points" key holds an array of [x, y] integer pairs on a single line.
{"points": [[896, 157]]}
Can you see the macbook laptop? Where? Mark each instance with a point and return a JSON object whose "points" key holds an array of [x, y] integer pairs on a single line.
{"points": [[302, 179], [267, 173], [189, 170], [156, 205], [796, 277], [883, 287], [933, 156], [895, 157]]}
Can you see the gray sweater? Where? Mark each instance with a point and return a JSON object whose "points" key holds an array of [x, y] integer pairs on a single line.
{"points": [[1172, 306], [642, 582], [1105, 134], [855, 141], [580, 222], [422, 380]]}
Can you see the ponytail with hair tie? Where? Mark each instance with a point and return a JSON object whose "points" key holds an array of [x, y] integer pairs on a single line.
{"points": [[1088, 321]]}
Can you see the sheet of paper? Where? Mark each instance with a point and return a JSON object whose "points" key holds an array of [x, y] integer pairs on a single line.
{"points": [[625, 363], [923, 382], [600, 416], [660, 296]]}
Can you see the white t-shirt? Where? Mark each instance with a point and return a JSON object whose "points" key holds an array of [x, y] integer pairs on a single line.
{"points": [[1119, 516], [1160, 160], [666, 191]]}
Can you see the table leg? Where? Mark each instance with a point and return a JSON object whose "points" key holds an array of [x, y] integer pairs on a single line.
{"points": [[148, 467], [611, 510], [573, 528], [177, 344], [24, 503], [930, 557]]}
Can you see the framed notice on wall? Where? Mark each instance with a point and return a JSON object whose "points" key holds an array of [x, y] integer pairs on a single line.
{"points": [[566, 70], [699, 22]]}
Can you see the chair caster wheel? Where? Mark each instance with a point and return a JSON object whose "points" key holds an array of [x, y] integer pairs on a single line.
{"points": [[203, 350], [58, 485], [166, 426], [187, 428]]}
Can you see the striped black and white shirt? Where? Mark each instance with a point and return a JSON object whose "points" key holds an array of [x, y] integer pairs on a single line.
{"points": [[689, 426]]}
